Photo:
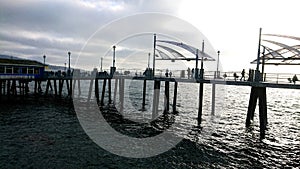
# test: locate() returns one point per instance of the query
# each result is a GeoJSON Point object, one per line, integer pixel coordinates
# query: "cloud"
{"type": "Point", "coordinates": [32, 28]}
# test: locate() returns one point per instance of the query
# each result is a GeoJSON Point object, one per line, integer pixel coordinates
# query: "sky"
{"type": "Point", "coordinates": [89, 29]}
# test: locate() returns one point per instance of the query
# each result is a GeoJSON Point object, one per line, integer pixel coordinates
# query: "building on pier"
{"type": "Point", "coordinates": [21, 68]}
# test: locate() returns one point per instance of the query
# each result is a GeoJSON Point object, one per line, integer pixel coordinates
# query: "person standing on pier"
{"type": "Point", "coordinates": [193, 70]}
{"type": "Point", "coordinates": [167, 73]}
{"type": "Point", "coordinates": [295, 78]}
{"type": "Point", "coordinates": [243, 75]}
{"type": "Point", "coordinates": [235, 76]}
{"type": "Point", "coordinates": [189, 73]}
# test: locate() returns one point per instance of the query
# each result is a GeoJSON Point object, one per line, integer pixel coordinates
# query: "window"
{"type": "Point", "coordinates": [36, 71]}
{"type": "Point", "coordinates": [2, 68]}
{"type": "Point", "coordinates": [9, 70]}
{"type": "Point", "coordinates": [24, 70]}
{"type": "Point", "coordinates": [16, 70]}
{"type": "Point", "coordinates": [30, 70]}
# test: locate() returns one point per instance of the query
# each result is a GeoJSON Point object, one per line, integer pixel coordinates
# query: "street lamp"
{"type": "Point", "coordinates": [101, 64]}
{"type": "Point", "coordinates": [69, 71]}
{"type": "Point", "coordinates": [44, 59]}
{"type": "Point", "coordinates": [218, 75]}
{"type": "Point", "coordinates": [114, 55]}
{"type": "Point", "coordinates": [149, 60]}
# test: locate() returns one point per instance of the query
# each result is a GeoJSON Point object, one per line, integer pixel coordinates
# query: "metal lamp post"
{"type": "Point", "coordinates": [218, 74]}
{"type": "Point", "coordinates": [149, 59]}
{"type": "Point", "coordinates": [69, 70]}
{"type": "Point", "coordinates": [44, 60]}
{"type": "Point", "coordinates": [114, 55]}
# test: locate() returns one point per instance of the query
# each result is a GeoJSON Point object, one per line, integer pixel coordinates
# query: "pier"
{"type": "Point", "coordinates": [11, 87]}
{"type": "Point", "coordinates": [258, 81]}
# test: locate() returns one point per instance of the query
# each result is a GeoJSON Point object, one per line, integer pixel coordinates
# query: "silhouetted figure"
{"type": "Point", "coordinates": [189, 73]}
{"type": "Point", "coordinates": [167, 73]}
{"type": "Point", "coordinates": [235, 76]}
{"type": "Point", "coordinates": [193, 71]}
{"type": "Point", "coordinates": [251, 73]}
{"type": "Point", "coordinates": [225, 75]}
{"type": "Point", "coordinates": [170, 74]}
{"type": "Point", "coordinates": [295, 78]}
{"type": "Point", "coordinates": [243, 75]}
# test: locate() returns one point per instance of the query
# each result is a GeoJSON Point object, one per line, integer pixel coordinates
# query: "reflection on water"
{"type": "Point", "coordinates": [45, 133]}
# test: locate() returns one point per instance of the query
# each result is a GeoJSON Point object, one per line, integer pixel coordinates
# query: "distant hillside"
{"type": "Point", "coordinates": [9, 57]}
{"type": "Point", "coordinates": [49, 67]}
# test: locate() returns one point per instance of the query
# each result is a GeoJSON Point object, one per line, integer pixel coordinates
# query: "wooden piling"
{"type": "Point", "coordinates": [97, 89]}
{"type": "Point", "coordinates": [39, 86]}
{"type": "Point", "coordinates": [47, 86]}
{"type": "Point", "coordinates": [90, 90]}
{"type": "Point", "coordinates": [155, 99]}
{"type": "Point", "coordinates": [144, 94]}
{"type": "Point", "coordinates": [8, 88]}
{"type": "Point", "coordinates": [14, 87]}
{"type": "Point", "coordinates": [55, 87]}
{"type": "Point", "coordinates": [260, 94]}
{"type": "Point", "coordinates": [103, 92]}
{"type": "Point", "coordinates": [213, 98]}
{"type": "Point", "coordinates": [167, 97]}
{"type": "Point", "coordinates": [60, 87]}
{"type": "Point", "coordinates": [20, 88]}
{"type": "Point", "coordinates": [121, 95]}
{"type": "Point", "coordinates": [71, 88]}
{"type": "Point", "coordinates": [68, 87]}
{"type": "Point", "coordinates": [79, 89]}
{"type": "Point", "coordinates": [4, 86]}
{"type": "Point", "coordinates": [23, 88]}
{"type": "Point", "coordinates": [200, 103]}
{"type": "Point", "coordinates": [109, 91]}
{"type": "Point", "coordinates": [1, 87]}
{"type": "Point", "coordinates": [115, 90]}
{"type": "Point", "coordinates": [35, 86]}
{"type": "Point", "coordinates": [26, 88]}
{"type": "Point", "coordinates": [175, 97]}
{"type": "Point", "coordinates": [251, 106]}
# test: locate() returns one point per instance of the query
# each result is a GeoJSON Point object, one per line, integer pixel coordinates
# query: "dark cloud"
{"type": "Point", "coordinates": [31, 28]}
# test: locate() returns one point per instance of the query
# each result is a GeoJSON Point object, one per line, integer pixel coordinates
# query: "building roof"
{"type": "Point", "coordinates": [20, 62]}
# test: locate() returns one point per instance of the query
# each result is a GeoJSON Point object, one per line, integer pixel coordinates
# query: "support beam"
{"type": "Point", "coordinates": [35, 86]}
{"type": "Point", "coordinates": [97, 89]}
{"type": "Point", "coordinates": [175, 98]}
{"type": "Point", "coordinates": [167, 97]}
{"type": "Point", "coordinates": [200, 104]}
{"type": "Point", "coordinates": [90, 89]}
{"type": "Point", "coordinates": [8, 88]}
{"type": "Point", "coordinates": [109, 91]}
{"type": "Point", "coordinates": [155, 99]}
{"type": "Point", "coordinates": [55, 88]}
{"type": "Point", "coordinates": [103, 92]}
{"type": "Point", "coordinates": [68, 87]}
{"type": "Point", "coordinates": [79, 89]}
{"type": "Point", "coordinates": [260, 94]}
{"type": "Point", "coordinates": [71, 88]}
{"type": "Point", "coordinates": [47, 87]}
{"type": "Point", "coordinates": [121, 95]}
{"type": "Point", "coordinates": [213, 98]}
{"type": "Point", "coordinates": [1, 82]}
{"type": "Point", "coordinates": [115, 90]}
{"type": "Point", "coordinates": [26, 88]}
{"type": "Point", "coordinates": [144, 95]}
{"type": "Point", "coordinates": [61, 84]}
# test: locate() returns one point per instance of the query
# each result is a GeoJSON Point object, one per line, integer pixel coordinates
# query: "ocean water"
{"type": "Point", "coordinates": [44, 132]}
